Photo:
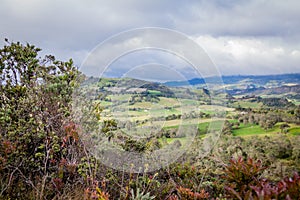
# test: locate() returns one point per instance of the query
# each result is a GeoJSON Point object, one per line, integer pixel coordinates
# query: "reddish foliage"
{"type": "Point", "coordinates": [71, 130]}
{"type": "Point", "coordinates": [287, 188]}
{"type": "Point", "coordinates": [243, 182]}
{"type": "Point", "coordinates": [240, 174]}
{"type": "Point", "coordinates": [188, 194]}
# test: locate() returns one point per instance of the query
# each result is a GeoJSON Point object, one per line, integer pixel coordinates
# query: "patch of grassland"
{"type": "Point", "coordinates": [295, 101]}
{"type": "Point", "coordinates": [119, 97]}
{"type": "Point", "coordinates": [169, 101]}
{"type": "Point", "coordinates": [166, 141]}
{"type": "Point", "coordinates": [205, 108]}
{"type": "Point", "coordinates": [106, 103]}
{"type": "Point", "coordinates": [189, 102]}
{"type": "Point", "coordinates": [247, 104]}
{"type": "Point", "coordinates": [154, 92]}
{"type": "Point", "coordinates": [294, 130]}
{"type": "Point", "coordinates": [250, 129]}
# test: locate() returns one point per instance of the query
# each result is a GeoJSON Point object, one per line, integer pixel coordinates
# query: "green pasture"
{"type": "Point", "coordinates": [154, 92]}
{"type": "Point", "coordinates": [250, 129]}
{"type": "Point", "coordinates": [247, 104]}
{"type": "Point", "coordinates": [184, 141]}
{"type": "Point", "coordinates": [294, 130]}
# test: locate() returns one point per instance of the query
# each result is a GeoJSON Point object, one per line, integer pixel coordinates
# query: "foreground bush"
{"type": "Point", "coordinates": [244, 181]}
{"type": "Point", "coordinates": [40, 147]}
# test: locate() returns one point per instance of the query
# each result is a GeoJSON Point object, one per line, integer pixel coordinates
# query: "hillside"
{"type": "Point", "coordinates": [280, 79]}
{"type": "Point", "coordinates": [265, 91]}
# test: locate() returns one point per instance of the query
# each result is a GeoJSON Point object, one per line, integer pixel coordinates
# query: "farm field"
{"type": "Point", "coordinates": [166, 112]}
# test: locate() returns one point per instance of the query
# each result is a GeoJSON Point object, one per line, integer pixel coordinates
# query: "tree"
{"type": "Point", "coordinates": [236, 125]}
{"type": "Point", "coordinates": [227, 128]}
{"type": "Point", "coordinates": [35, 96]}
{"type": "Point", "coordinates": [283, 127]}
{"type": "Point", "coordinates": [109, 125]}
{"type": "Point", "coordinates": [268, 121]}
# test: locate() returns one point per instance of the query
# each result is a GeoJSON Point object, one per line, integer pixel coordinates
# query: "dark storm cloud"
{"type": "Point", "coordinates": [255, 36]}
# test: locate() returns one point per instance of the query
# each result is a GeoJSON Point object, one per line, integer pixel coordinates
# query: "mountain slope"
{"type": "Point", "coordinates": [251, 79]}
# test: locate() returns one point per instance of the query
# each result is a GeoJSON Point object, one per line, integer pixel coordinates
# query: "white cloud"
{"type": "Point", "coordinates": [251, 55]}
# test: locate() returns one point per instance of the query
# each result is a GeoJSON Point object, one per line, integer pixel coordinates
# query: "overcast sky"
{"type": "Point", "coordinates": [240, 37]}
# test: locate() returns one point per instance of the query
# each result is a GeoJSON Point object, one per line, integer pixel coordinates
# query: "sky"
{"type": "Point", "coordinates": [238, 36]}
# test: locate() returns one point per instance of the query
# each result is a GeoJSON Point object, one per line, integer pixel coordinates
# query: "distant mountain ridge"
{"type": "Point", "coordinates": [266, 91]}
{"type": "Point", "coordinates": [258, 79]}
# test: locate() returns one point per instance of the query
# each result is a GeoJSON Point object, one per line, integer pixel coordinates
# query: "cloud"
{"type": "Point", "coordinates": [252, 30]}
{"type": "Point", "coordinates": [251, 55]}
{"type": "Point", "coordinates": [241, 18]}
{"type": "Point", "coordinates": [139, 47]}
